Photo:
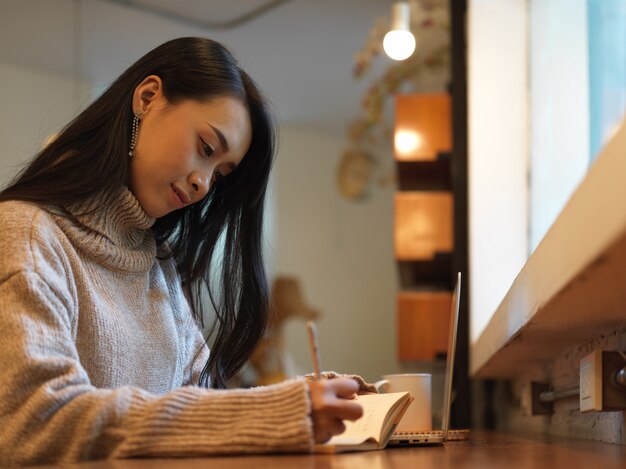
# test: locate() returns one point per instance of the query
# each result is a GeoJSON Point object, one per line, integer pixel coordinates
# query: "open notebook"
{"type": "Point", "coordinates": [381, 414]}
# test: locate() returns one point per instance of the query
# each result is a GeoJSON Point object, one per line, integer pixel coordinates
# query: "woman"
{"type": "Point", "coordinates": [107, 234]}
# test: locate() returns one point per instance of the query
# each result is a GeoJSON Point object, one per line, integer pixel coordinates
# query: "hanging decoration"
{"type": "Point", "coordinates": [366, 162]}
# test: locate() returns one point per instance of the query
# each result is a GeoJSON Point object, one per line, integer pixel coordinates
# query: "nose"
{"type": "Point", "coordinates": [200, 183]}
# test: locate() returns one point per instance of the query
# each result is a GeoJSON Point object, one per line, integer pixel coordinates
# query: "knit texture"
{"type": "Point", "coordinates": [99, 350]}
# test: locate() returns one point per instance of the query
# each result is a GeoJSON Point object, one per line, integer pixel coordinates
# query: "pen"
{"type": "Point", "coordinates": [315, 353]}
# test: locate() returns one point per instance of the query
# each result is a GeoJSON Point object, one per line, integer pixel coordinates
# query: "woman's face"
{"type": "Point", "coordinates": [182, 149]}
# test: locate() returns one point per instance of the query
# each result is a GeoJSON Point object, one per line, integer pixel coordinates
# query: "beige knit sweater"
{"type": "Point", "coordinates": [98, 349]}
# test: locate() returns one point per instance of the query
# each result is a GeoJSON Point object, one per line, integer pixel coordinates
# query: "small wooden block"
{"type": "Point", "coordinates": [423, 126]}
{"type": "Point", "coordinates": [424, 225]}
{"type": "Point", "coordinates": [423, 323]}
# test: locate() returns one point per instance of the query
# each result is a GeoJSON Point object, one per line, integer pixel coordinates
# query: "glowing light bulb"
{"type": "Point", "coordinates": [399, 42]}
{"type": "Point", "coordinates": [399, 45]}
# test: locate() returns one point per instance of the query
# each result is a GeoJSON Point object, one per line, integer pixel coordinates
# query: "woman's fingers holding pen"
{"type": "Point", "coordinates": [330, 405]}
{"type": "Point", "coordinates": [333, 396]}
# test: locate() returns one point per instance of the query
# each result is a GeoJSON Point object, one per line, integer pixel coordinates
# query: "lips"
{"type": "Point", "coordinates": [181, 196]}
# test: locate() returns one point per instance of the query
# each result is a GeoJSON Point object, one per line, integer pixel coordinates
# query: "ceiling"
{"type": "Point", "coordinates": [300, 51]}
{"type": "Point", "coordinates": [220, 14]}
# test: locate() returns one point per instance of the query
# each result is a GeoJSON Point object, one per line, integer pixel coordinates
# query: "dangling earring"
{"type": "Point", "coordinates": [133, 135]}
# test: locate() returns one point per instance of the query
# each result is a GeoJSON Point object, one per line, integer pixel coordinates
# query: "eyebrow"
{"type": "Point", "coordinates": [222, 139]}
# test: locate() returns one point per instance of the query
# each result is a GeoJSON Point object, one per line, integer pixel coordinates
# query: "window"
{"type": "Point", "coordinates": [577, 70]}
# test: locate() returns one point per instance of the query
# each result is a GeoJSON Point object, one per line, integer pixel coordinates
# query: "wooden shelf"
{"type": "Point", "coordinates": [571, 289]}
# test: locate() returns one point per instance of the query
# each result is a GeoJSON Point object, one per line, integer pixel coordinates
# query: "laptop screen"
{"type": "Point", "coordinates": [454, 322]}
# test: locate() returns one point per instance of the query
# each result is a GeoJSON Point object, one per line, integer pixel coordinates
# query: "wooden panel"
{"type": "Point", "coordinates": [422, 127]}
{"type": "Point", "coordinates": [423, 323]}
{"type": "Point", "coordinates": [423, 224]}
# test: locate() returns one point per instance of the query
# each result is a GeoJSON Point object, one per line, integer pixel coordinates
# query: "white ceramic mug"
{"type": "Point", "coordinates": [419, 416]}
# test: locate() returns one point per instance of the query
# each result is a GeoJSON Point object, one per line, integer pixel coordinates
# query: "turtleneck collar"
{"type": "Point", "coordinates": [114, 231]}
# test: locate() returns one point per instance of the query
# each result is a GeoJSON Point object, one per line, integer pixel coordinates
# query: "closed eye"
{"type": "Point", "coordinates": [207, 149]}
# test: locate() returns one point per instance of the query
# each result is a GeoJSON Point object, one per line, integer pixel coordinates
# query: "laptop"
{"type": "Point", "coordinates": [434, 437]}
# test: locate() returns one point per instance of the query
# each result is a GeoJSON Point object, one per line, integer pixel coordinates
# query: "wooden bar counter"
{"type": "Point", "coordinates": [483, 451]}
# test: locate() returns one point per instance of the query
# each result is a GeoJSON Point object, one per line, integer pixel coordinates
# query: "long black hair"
{"type": "Point", "coordinates": [90, 157]}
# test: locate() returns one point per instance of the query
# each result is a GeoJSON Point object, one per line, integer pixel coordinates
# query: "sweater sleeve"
{"type": "Point", "coordinates": [50, 412]}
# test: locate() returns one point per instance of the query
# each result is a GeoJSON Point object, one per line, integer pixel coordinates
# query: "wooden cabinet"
{"type": "Point", "coordinates": [424, 224]}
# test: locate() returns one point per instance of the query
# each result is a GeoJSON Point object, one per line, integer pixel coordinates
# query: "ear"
{"type": "Point", "coordinates": [147, 93]}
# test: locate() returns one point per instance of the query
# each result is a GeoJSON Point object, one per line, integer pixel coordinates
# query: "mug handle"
{"type": "Point", "coordinates": [382, 386]}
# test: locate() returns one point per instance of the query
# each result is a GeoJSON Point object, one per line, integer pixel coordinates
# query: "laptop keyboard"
{"type": "Point", "coordinates": [453, 435]}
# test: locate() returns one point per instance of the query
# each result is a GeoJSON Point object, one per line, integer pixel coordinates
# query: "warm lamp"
{"type": "Point", "coordinates": [399, 42]}
{"type": "Point", "coordinates": [407, 142]}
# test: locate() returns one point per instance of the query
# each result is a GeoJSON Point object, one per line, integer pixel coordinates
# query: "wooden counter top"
{"type": "Point", "coordinates": [483, 451]}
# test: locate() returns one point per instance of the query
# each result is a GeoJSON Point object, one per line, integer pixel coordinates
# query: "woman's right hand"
{"type": "Point", "coordinates": [331, 404]}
